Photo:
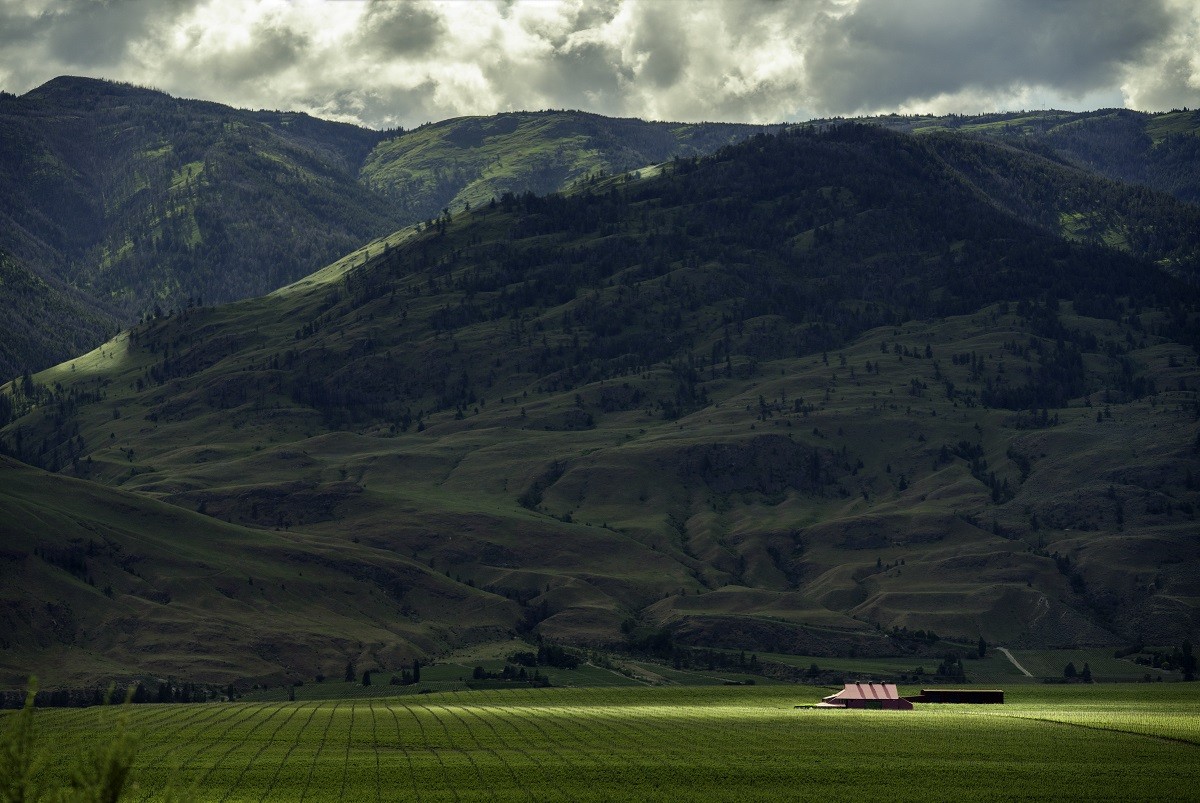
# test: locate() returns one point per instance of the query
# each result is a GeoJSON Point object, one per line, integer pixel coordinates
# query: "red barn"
{"type": "Point", "coordinates": [868, 695]}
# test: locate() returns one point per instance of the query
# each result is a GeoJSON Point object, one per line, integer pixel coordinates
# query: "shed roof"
{"type": "Point", "coordinates": [867, 691]}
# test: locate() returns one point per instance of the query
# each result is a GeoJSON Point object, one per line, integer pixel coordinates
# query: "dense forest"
{"type": "Point", "coordinates": [45, 320]}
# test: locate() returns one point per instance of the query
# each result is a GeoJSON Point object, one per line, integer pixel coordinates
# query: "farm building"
{"type": "Point", "coordinates": [976, 696]}
{"type": "Point", "coordinates": [867, 695]}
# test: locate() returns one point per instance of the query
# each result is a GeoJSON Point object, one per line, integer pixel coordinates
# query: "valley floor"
{"type": "Point", "coordinates": [1114, 741]}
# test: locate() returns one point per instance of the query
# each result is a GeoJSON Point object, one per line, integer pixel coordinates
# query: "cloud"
{"type": "Point", "coordinates": [660, 47]}
{"type": "Point", "coordinates": [885, 55]}
{"type": "Point", "coordinates": [386, 63]}
{"type": "Point", "coordinates": [269, 50]}
{"type": "Point", "coordinates": [402, 29]}
{"type": "Point", "coordinates": [1170, 78]}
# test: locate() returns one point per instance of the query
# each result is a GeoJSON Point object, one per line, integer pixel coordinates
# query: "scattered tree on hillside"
{"type": "Point", "coordinates": [951, 668]}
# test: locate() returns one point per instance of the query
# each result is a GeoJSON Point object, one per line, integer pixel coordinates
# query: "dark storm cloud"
{"type": "Point", "coordinates": [577, 67]}
{"type": "Point", "coordinates": [381, 104]}
{"type": "Point", "coordinates": [884, 53]}
{"type": "Point", "coordinates": [88, 33]}
{"type": "Point", "coordinates": [1172, 89]}
{"type": "Point", "coordinates": [18, 28]}
{"type": "Point", "coordinates": [402, 29]}
{"type": "Point", "coordinates": [661, 42]}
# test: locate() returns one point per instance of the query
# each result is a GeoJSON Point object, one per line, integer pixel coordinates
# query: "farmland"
{"type": "Point", "coordinates": [1105, 741]}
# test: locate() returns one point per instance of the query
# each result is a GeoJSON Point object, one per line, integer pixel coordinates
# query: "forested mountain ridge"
{"type": "Point", "coordinates": [814, 392]}
{"type": "Point", "coordinates": [141, 200]}
{"type": "Point", "coordinates": [138, 199]}
{"type": "Point", "coordinates": [45, 319]}
{"type": "Point", "coordinates": [1158, 150]}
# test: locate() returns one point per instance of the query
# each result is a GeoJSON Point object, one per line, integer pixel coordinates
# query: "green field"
{"type": "Point", "coordinates": [994, 669]}
{"type": "Point", "coordinates": [1105, 668]}
{"type": "Point", "coordinates": [722, 743]}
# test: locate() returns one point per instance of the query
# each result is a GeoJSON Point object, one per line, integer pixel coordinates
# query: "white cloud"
{"type": "Point", "coordinates": [386, 63]}
{"type": "Point", "coordinates": [1170, 76]}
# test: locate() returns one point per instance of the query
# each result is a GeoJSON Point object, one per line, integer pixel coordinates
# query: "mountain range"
{"type": "Point", "coordinates": [134, 200]}
{"type": "Point", "coordinates": [819, 391]}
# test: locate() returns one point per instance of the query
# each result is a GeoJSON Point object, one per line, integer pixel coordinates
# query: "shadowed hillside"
{"type": "Point", "coordinates": [44, 320]}
{"type": "Point", "coordinates": [140, 198]}
{"type": "Point", "coordinates": [1160, 151]}
{"type": "Point", "coordinates": [99, 582]}
{"type": "Point", "coordinates": [814, 393]}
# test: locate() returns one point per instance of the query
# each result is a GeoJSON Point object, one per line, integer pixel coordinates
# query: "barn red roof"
{"type": "Point", "coordinates": [867, 695]}
{"type": "Point", "coordinates": [866, 691]}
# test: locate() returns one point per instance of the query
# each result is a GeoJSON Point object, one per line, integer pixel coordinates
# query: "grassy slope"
{"type": "Point", "coordinates": [718, 557]}
{"type": "Point", "coordinates": [453, 480]}
{"type": "Point", "coordinates": [470, 160]}
{"type": "Point", "coordinates": [100, 582]}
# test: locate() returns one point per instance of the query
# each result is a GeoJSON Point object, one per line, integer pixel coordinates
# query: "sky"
{"type": "Point", "coordinates": [395, 63]}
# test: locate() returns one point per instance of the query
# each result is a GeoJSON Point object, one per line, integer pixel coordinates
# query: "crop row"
{"type": "Point", "coordinates": [588, 744]}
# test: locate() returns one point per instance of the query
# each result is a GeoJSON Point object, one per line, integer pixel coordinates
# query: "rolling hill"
{"type": "Point", "coordinates": [98, 582]}
{"type": "Point", "coordinates": [820, 393]}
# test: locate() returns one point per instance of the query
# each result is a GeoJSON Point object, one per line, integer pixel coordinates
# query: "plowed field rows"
{"type": "Point", "coordinates": [725, 743]}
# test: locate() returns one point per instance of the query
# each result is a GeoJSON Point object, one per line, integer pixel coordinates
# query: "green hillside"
{"type": "Point", "coordinates": [812, 394]}
{"type": "Point", "coordinates": [126, 200]}
{"type": "Point", "coordinates": [468, 161]}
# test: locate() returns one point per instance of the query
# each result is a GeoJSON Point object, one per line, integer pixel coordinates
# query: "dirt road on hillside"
{"type": "Point", "coordinates": [1014, 661]}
